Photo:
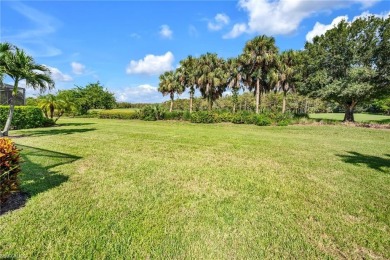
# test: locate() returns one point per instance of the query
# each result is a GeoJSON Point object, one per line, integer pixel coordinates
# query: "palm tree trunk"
{"type": "Point", "coordinates": [11, 110]}
{"type": "Point", "coordinates": [172, 97]}
{"type": "Point", "coordinates": [210, 101]}
{"type": "Point", "coordinates": [257, 95]}
{"type": "Point", "coordinates": [191, 98]}
{"type": "Point", "coordinates": [284, 102]}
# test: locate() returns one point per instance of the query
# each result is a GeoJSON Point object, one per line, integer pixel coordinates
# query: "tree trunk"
{"type": "Point", "coordinates": [171, 107]}
{"type": "Point", "coordinates": [349, 109]}
{"type": "Point", "coordinates": [10, 116]}
{"type": "Point", "coordinates": [257, 95]}
{"type": "Point", "coordinates": [51, 111]}
{"type": "Point", "coordinates": [284, 102]}
{"type": "Point", "coordinates": [210, 101]}
{"type": "Point", "coordinates": [191, 98]}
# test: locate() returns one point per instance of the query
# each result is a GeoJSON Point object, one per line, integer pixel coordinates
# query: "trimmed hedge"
{"type": "Point", "coordinates": [24, 117]}
{"type": "Point", "coordinates": [125, 114]}
{"type": "Point", "coordinates": [9, 168]}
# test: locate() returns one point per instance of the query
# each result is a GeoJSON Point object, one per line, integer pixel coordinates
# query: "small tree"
{"type": "Point", "coordinates": [170, 85]}
{"type": "Point", "coordinates": [19, 66]}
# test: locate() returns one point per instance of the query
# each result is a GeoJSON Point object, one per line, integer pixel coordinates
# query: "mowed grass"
{"type": "Point", "coordinates": [358, 117]}
{"type": "Point", "coordinates": [132, 189]}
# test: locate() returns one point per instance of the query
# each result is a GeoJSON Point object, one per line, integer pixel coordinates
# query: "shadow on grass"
{"type": "Point", "coordinates": [58, 132]}
{"type": "Point", "coordinates": [374, 162]}
{"type": "Point", "coordinates": [74, 124]}
{"type": "Point", "coordinates": [37, 174]}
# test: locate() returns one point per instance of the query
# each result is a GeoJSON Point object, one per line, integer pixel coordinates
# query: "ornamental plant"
{"type": "Point", "coordinates": [9, 168]}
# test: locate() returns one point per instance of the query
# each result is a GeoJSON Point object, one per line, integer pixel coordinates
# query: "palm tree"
{"type": "Point", "coordinates": [259, 56]}
{"type": "Point", "coordinates": [188, 76]}
{"type": "Point", "coordinates": [170, 84]}
{"type": "Point", "coordinates": [51, 105]}
{"type": "Point", "coordinates": [235, 79]}
{"type": "Point", "coordinates": [4, 49]}
{"type": "Point", "coordinates": [19, 66]}
{"type": "Point", "coordinates": [286, 73]}
{"type": "Point", "coordinates": [211, 77]}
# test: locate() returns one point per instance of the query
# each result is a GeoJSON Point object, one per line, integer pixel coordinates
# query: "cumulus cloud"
{"type": "Point", "coordinates": [140, 94]}
{"type": "Point", "coordinates": [77, 68]}
{"type": "Point", "coordinates": [282, 17]}
{"type": "Point", "coordinates": [165, 32]}
{"type": "Point", "coordinates": [151, 64]}
{"type": "Point", "coordinates": [220, 20]}
{"type": "Point", "coordinates": [320, 29]}
{"type": "Point", "coordinates": [57, 75]}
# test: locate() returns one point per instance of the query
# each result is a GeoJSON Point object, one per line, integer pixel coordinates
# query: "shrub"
{"type": "Point", "coordinates": [204, 117]}
{"type": "Point", "coordinates": [151, 113]}
{"type": "Point", "coordinates": [244, 117]}
{"type": "Point", "coordinates": [262, 120]}
{"type": "Point", "coordinates": [24, 117]}
{"type": "Point", "coordinates": [125, 114]}
{"type": "Point", "coordinates": [174, 115]}
{"type": "Point", "coordinates": [9, 168]}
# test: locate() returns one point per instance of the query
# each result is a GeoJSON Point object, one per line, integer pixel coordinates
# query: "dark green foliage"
{"type": "Point", "coordinates": [125, 114]}
{"type": "Point", "coordinates": [9, 168]}
{"type": "Point", "coordinates": [204, 117]}
{"type": "Point", "coordinates": [25, 117]}
{"type": "Point", "coordinates": [243, 117]}
{"type": "Point", "coordinates": [151, 113]}
{"type": "Point", "coordinates": [262, 120]}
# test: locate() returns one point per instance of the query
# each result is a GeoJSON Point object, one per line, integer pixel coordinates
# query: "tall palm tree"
{"type": "Point", "coordinates": [286, 73]}
{"type": "Point", "coordinates": [170, 84]}
{"type": "Point", "coordinates": [211, 77]}
{"type": "Point", "coordinates": [258, 58]}
{"type": "Point", "coordinates": [235, 79]}
{"type": "Point", "coordinates": [188, 76]}
{"type": "Point", "coordinates": [19, 66]}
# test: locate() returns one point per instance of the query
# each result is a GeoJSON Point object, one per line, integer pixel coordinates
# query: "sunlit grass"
{"type": "Point", "coordinates": [358, 117]}
{"type": "Point", "coordinates": [133, 189]}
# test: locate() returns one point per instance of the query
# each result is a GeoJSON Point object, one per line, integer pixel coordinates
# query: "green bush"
{"type": "Point", "coordinates": [204, 117]}
{"type": "Point", "coordinates": [152, 113]}
{"type": "Point", "coordinates": [174, 115]}
{"type": "Point", "coordinates": [262, 120]}
{"type": "Point", "coordinates": [9, 168]}
{"type": "Point", "coordinates": [24, 117]}
{"type": "Point", "coordinates": [125, 114]}
{"type": "Point", "coordinates": [244, 117]}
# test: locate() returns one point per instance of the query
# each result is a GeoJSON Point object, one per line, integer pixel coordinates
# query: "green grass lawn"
{"type": "Point", "coordinates": [358, 117]}
{"type": "Point", "coordinates": [132, 189]}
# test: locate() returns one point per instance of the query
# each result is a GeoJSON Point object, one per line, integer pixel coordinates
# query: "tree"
{"type": "Point", "coordinates": [258, 58]}
{"type": "Point", "coordinates": [5, 48]}
{"type": "Point", "coordinates": [235, 77]}
{"type": "Point", "coordinates": [170, 84]}
{"type": "Point", "coordinates": [54, 105]}
{"type": "Point", "coordinates": [211, 77]}
{"type": "Point", "coordinates": [19, 66]}
{"type": "Point", "coordinates": [346, 65]}
{"type": "Point", "coordinates": [188, 76]}
{"type": "Point", "coordinates": [287, 73]}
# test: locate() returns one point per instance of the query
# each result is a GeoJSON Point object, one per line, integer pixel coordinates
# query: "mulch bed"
{"type": "Point", "coordinates": [15, 201]}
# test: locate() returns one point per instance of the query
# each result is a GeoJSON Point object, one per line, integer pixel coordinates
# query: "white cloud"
{"type": "Point", "coordinates": [140, 94]}
{"type": "Point", "coordinates": [57, 75]}
{"type": "Point", "coordinates": [77, 68]}
{"type": "Point", "coordinates": [151, 64]}
{"type": "Point", "coordinates": [220, 20]}
{"type": "Point", "coordinates": [165, 32]}
{"type": "Point", "coordinates": [282, 17]}
{"type": "Point", "coordinates": [320, 29]}
{"type": "Point", "coordinates": [237, 30]}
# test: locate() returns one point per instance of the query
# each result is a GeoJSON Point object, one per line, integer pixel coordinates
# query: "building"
{"type": "Point", "coordinates": [6, 94]}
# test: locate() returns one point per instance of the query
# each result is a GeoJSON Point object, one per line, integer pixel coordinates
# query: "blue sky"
{"type": "Point", "coordinates": [126, 44]}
